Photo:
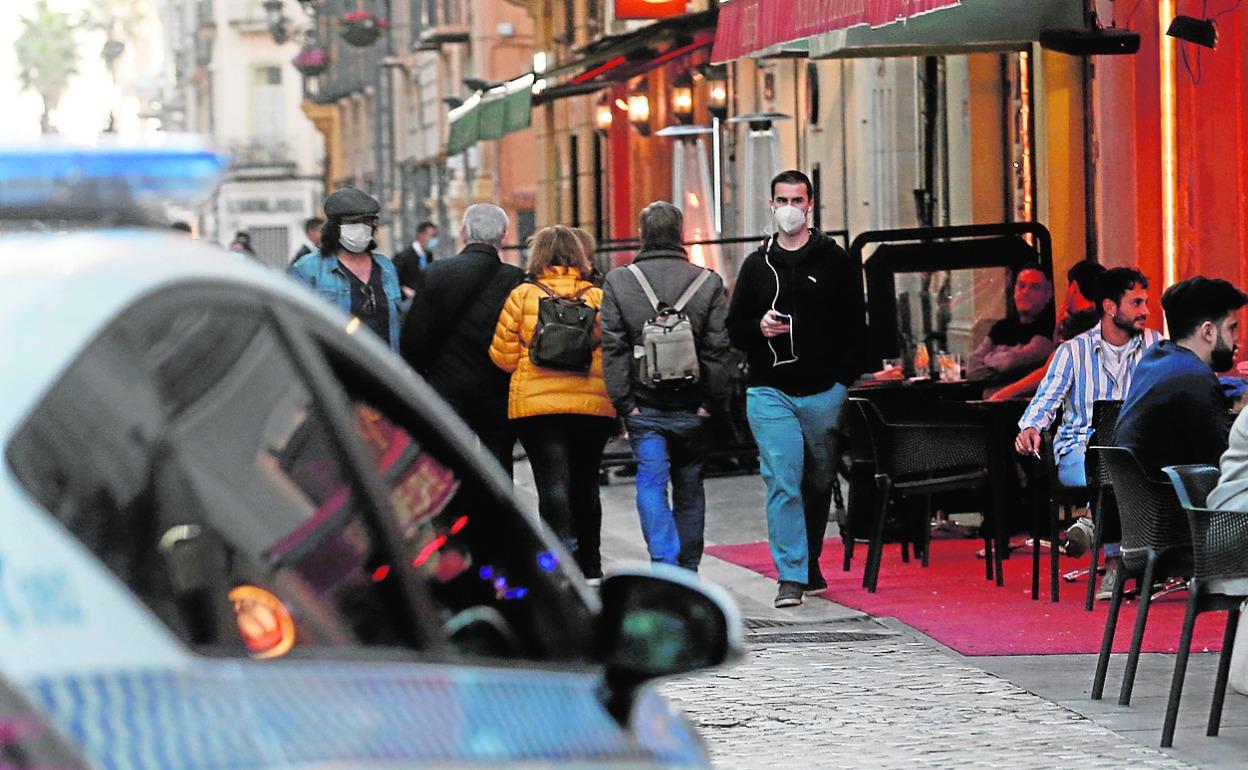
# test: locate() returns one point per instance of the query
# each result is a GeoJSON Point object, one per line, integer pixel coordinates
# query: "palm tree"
{"type": "Point", "coordinates": [47, 57]}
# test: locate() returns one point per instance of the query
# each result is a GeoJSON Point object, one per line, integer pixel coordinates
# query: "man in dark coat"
{"type": "Point", "coordinates": [448, 330]}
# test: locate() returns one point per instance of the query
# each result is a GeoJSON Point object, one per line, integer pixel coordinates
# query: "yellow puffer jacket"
{"type": "Point", "coordinates": [534, 389]}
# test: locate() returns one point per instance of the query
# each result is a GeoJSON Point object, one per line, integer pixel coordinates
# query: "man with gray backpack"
{"type": "Point", "coordinates": [665, 357]}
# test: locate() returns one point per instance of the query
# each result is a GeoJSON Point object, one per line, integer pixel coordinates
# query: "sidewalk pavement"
{"type": "Point", "coordinates": [826, 686]}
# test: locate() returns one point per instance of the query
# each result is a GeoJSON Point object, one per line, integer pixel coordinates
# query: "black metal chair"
{"type": "Point", "coordinates": [920, 459]}
{"type": "Point", "coordinates": [1104, 504]}
{"type": "Point", "coordinates": [1061, 499]}
{"type": "Point", "coordinates": [1156, 543]}
{"type": "Point", "coordinates": [1220, 582]}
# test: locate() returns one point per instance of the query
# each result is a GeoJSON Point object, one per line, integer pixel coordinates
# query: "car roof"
{"type": "Point", "coordinates": [59, 290]}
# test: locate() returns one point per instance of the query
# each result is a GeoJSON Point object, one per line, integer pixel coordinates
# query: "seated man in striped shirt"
{"type": "Point", "coordinates": [1097, 364]}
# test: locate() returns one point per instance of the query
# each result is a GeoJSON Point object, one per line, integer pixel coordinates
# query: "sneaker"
{"type": "Point", "coordinates": [1106, 589]}
{"type": "Point", "coordinates": [816, 585]}
{"type": "Point", "coordinates": [790, 594]}
{"type": "Point", "coordinates": [1079, 539]}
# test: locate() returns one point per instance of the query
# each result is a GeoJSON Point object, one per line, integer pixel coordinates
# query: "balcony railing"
{"type": "Point", "coordinates": [442, 21]}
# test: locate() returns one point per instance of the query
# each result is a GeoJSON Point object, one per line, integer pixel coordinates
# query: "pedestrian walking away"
{"type": "Point", "coordinates": [347, 271]}
{"type": "Point", "coordinates": [797, 312]}
{"type": "Point", "coordinates": [557, 399]}
{"type": "Point", "coordinates": [667, 421]}
{"type": "Point", "coordinates": [448, 330]}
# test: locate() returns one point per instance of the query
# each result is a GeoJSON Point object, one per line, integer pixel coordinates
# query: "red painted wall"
{"type": "Point", "coordinates": [1212, 152]}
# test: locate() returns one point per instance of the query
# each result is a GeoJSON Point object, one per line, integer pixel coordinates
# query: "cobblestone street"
{"type": "Point", "coordinates": [825, 686]}
{"type": "Point", "coordinates": [888, 702]}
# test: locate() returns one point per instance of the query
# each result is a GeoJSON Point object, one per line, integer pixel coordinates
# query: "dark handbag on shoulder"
{"type": "Point", "coordinates": [564, 336]}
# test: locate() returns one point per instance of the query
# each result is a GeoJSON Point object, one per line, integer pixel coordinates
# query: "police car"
{"type": "Point", "coordinates": [239, 532]}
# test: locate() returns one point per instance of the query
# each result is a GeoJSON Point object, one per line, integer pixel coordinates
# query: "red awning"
{"type": "Point", "coordinates": [749, 26]}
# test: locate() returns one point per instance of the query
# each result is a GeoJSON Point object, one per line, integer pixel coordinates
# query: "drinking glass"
{"type": "Point", "coordinates": [950, 366]}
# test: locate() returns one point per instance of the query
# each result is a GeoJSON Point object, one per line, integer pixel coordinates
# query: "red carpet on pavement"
{"type": "Point", "coordinates": [953, 603]}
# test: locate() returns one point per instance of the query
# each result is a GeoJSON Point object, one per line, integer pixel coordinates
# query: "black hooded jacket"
{"type": "Point", "coordinates": [821, 289]}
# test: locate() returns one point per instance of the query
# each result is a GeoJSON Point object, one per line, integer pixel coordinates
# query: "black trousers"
{"type": "Point", "coordinates": [565, 452]}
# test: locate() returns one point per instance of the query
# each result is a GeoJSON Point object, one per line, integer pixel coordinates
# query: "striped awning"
{"type": "Point", "coordinates": [748, 27]}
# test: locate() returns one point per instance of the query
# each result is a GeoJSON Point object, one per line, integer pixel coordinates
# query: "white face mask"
{"type": "Point", "coordinates": [789, 218]}
{"type": "Point", "coordinates": [355, 238]}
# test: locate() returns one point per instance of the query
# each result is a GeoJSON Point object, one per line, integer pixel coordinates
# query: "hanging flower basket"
{"type": "Point", "coordinates": [311, 61]}
{"type": "Point", "coordinates": [361, 28]}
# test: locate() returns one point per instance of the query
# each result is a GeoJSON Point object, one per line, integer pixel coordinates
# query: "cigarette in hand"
{"type": "Point", "coordinates": [1035, 453]}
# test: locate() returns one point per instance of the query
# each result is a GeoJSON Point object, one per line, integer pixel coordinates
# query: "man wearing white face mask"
{"type": "Point", "coordinates": [797, 312]}
{"type": "Point", "coordinates": [347, 272]}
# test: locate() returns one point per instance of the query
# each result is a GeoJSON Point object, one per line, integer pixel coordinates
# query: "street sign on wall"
{"type": "Point", "coordinates": [749, 26]}
{"type": "Point", "coordinates": [649, 9]}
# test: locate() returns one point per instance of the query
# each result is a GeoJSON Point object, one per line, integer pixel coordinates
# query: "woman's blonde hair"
{"type": "Point", "coordinates": [558, 246]}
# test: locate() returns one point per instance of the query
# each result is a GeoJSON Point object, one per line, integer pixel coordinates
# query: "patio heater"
{"type": "Point", "coordinates": [762, 162]}
{"type": "Point", "coordinates": [691, 191]}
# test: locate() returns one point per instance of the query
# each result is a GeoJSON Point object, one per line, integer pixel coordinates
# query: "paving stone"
{"type": "Point", "coordinates": [888, 703]}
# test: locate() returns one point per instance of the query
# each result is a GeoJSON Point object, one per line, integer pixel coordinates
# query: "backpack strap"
{"type": "Point", "coordinates": [702, 278]}
{"type": "Point", "coordinates": [645, 286]}
{"type": "Point", "coordinates": [549, 291]}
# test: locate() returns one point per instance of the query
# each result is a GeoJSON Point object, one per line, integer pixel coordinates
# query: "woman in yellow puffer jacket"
{"type": "Point", "coordinates": [563, 419]}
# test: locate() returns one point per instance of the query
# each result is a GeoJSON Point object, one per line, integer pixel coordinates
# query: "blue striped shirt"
{"type": "Point", "coordinates": [1078, 376]}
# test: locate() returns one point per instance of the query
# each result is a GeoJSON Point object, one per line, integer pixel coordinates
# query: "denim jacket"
{"type": "Point", "coordinates": [327, 277]}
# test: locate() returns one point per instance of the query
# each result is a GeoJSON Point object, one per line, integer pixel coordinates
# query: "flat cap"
{"type": "Point", "coordinates": [351, 202]}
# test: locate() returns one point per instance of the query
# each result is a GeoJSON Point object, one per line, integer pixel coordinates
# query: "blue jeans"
{"type": "Point", "coordinates": [797, 439]}
{"type": "Point", "coordinates": [670, 447]}
{"type": "Point", "coordinates": [1071, 471]}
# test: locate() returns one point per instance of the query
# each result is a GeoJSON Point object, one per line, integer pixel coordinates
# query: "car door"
{"type": "Point", "coordinates": [269, 492]}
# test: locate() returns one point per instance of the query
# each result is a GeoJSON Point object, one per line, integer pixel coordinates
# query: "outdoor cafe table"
{"type": "Point", "coordinates": [961, 401]}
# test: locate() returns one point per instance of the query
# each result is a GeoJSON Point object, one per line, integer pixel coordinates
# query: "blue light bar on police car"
{"type": "Point", "coordinates": [60, 175]}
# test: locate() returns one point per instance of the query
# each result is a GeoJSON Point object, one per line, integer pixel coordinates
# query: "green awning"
{"type": "Point", "coordinates": [491, 114]}
{"type": "Point", "coordinates": [972, 25]}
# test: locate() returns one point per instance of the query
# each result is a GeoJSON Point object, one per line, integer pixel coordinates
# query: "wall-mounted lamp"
{"type": "Point", "coordinates": [276, 20]}
{"type": "Point", "coordinates": [682, 98]}
{"type": "Point", "coordinates": [602, 115]}
{"type": "Point", "coordinates": [639, 110]}
{"type": "Point", "coordinates": [717, 92]}
{"type": "Point", "coordinates": [1199, 31]}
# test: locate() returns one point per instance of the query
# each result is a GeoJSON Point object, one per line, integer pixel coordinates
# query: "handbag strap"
{"type": "Point", "coordinates": [477, 288]}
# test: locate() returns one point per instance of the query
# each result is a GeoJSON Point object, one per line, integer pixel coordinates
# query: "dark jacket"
{"type": "Point", "coordinates": [820, 288]}
{"type": "Point", "coordinates": [407, 261]}
{"type": "Point", "coordinates": [625, 310]}
{"type": "Point", "coordinates": [1175, 412]}
{"type": "Point", "coordinates": [447, 333]}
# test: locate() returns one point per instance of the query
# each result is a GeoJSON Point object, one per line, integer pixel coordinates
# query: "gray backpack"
{"type": "Point", "coordinates": [668, 354]}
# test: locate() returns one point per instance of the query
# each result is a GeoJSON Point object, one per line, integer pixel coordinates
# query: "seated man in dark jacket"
{"type": "Point", "coordinates": [667, 426]}
{"type": "Point", "coordinates": [797, 312]}
{"type": "Point", "coordinates": [1175, 412]}
{"type": "Point", "coordinates": [448, 330]}
{"type": "Point", "coordinates": [1020, 343]}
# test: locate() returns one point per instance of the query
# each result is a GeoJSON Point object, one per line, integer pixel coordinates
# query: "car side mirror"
{"type": "Point", "coordinates": [659, 621]}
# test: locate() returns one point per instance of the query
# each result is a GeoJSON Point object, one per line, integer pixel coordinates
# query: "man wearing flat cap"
{"type": "Point", "coordinates": [347, 271]}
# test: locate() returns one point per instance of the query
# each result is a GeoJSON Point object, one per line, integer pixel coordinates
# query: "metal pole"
{"type": "Point", "coordinates": [717, 171]}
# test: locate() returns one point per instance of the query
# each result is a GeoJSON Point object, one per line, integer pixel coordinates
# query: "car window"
{"type": "Point", "coordinates": [187, 451]}
{"type": "Point", "coordinates": [474, 549]}
{"type": "Point", "coordinates": [220, 499]}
